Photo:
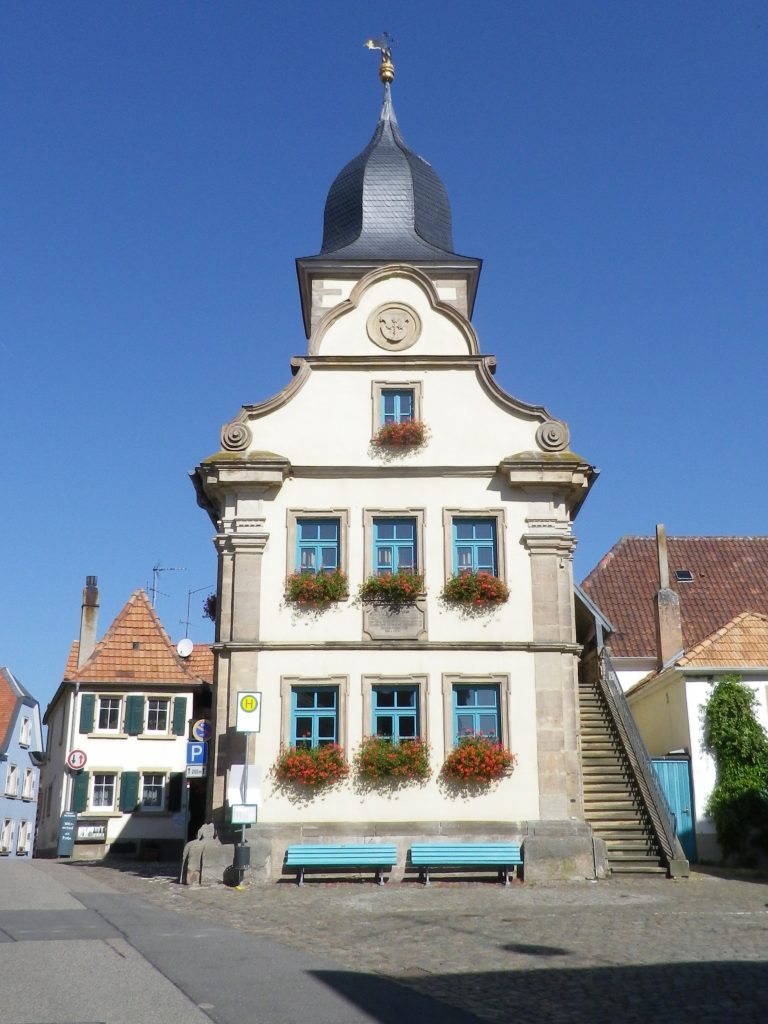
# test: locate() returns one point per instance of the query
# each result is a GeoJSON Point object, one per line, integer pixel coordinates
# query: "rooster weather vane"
{"type": "Point", "coordinates": [384, 44]}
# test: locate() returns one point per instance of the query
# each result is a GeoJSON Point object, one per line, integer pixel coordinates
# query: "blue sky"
{"type": "Point", "coordinates": [164, 163]}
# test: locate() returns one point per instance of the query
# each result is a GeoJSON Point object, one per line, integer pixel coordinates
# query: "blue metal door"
{"type": "Point", "coordinates": [675, 779]}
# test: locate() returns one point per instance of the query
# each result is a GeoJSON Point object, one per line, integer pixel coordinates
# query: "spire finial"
{"type": "Point", "coordinates": [385, 44]}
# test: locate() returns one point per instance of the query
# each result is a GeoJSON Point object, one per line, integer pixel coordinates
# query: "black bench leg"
{"type": "Point", "coordinates": [504, 876]}
{"type": "Point", "coordinates": [379, 876]}
{"type": "Point", "coordinates": [300, 876]}
{"type": "Point", "coordinates": [425, 876]}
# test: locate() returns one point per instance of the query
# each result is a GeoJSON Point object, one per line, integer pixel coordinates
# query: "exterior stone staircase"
{"type": "Point", "coordinates": [613, 804]}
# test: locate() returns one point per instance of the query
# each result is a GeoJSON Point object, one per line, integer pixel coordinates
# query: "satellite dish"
{"type": "Point", "coordinates": [184, 647]}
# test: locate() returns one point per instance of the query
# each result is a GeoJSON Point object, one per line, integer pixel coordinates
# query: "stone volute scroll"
{"type": "Point", "coordinates": [235, 436]}
{"type": "Point", "coordinates": [552, 436]}
{"type": "Point", "coordinates": [394, 327]}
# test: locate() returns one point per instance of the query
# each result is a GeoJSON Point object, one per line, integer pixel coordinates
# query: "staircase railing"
{"type": "Point", "coordinates": [655, 802]}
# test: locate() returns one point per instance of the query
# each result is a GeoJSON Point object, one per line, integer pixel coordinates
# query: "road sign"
{"type": "Point", "coordinates": [248, 711]}
{"type": "Point", "coordinates": [244, 787]}
{"type": "Point", "coordinates": [76, 760]}
{"type": "Point", "coordinates": [202, 730]}
{"type": "Point", "coordinates": [197, 753]}
{"type": "Point", "coordinates": [67, 826]}
{"type": "Point", "coordinates": [196, 771]}
{"type": "Point", "coordinates": [243, 814]}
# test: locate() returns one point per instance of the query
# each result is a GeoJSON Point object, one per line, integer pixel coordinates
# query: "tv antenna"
{"type": "Point", "coordinates": [156, 570]}
{"type": "Point", "coordinates": [185, 622]}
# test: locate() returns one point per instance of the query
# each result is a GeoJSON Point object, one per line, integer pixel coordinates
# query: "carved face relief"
{"type": "Point", "coordinates": [394, 327]}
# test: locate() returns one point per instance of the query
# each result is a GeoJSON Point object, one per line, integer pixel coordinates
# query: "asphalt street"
{"type": "Point", "coordinates": [74, 951]}
{"type": "Point", "coordinates": [94, 944]}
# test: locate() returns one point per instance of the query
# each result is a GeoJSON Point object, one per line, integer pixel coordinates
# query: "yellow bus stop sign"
{"type": "Point", "coordinates": [248, 712]}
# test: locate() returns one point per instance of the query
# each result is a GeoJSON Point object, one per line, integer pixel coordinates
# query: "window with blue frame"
{"type": "Point", "coordinates": [474, 546]}
{"type": "Point", "coordinates": [394, 546]}
{"type": "Point", "coordinates": [317, 545]}
{"type": "Point", "coordinates": [475, 710]}
{"type": "Point", "coordinates": [397, 405]}
{"type": "Point", "coordinates": [314, 715]}
{"type": "Point", "coordinates": [395, 712]}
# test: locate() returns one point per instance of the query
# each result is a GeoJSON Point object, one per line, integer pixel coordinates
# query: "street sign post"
{"type": "Point", "coordinates": [244, 814]}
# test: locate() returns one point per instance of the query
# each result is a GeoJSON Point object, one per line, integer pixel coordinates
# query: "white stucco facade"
{"type": "Point", "coordinates": [307, 453]}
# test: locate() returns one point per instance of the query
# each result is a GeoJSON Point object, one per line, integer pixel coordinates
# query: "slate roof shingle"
{"type": "Point", "coordinates": [730, 576]}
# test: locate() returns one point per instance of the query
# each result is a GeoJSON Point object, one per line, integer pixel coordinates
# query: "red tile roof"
{"type": "Point", "coordinates": [136, 648]}
{"type": "Point", "coordinates": [730, 576]}
{"type": "Point", "coordinates": [741, 642]}
{"type": "Point", "coordinates": [9, 698]}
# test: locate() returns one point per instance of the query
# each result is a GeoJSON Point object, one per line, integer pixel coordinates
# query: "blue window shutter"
{"type": "Point", "coordinates": [175, 791]}
{"type": "Point", "coordinates": [80, 792]}
{"type": "Point", "coordinates": [129, 791]}
{"type": "Point", "coordinates": [179, 716]}
{"type": "Point", "coordinates": [87, 712]}
{"type": "Point", "coordinates": [134, 716]}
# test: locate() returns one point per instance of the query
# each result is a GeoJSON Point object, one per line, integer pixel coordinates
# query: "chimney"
{"type": "Point", "coordinates": [88, 619]}
{"type": "Point", "coordinates": [666, 606]}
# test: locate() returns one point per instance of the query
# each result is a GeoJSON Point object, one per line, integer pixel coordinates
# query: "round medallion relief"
{"type": "Point", "coordinates": [394, 327]}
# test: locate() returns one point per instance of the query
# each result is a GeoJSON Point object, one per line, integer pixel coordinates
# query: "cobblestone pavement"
{"type": "Point", "coordinates": [627, 949]}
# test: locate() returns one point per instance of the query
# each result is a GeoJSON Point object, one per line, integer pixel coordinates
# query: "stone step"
{"type": "Point", "coordinates": [637, 869]}
{"type": "Point", "coordinates": [632, 830]}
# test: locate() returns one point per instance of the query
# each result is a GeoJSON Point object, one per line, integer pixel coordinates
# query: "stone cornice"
{"type": "Point", "coordinates": [523, 646]}
{"type": "Point", "coordinates": [262, 473]}
{"type": "Point", "coordinates": [549, 543]}
{"type": "Point", "coordinates": [563, 473]}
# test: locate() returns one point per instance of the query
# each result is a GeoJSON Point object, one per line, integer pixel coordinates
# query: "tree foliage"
{"type": "Point", "coordinates": [739, 745]}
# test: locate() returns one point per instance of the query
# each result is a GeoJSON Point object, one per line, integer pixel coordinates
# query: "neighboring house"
{"type": "Point", "coordinates": [126, 703]}
{"type": "Point", "coordinates": [684, 611]}
{"type": "Point", "coordinates": [306, 483]}
{"type": "Point", "coordinates": [21, 741]}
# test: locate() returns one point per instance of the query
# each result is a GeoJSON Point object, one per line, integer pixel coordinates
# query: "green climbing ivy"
{"type": "Point", "coordinates": [739, 802]}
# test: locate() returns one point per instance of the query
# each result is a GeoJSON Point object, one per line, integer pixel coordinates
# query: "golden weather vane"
{"type": "Point", "coordinates": [385, 44]}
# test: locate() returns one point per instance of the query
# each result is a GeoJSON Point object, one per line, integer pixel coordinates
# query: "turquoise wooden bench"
{"type": "Point", "coordinates": [503, 857]}
{"type": "Point", "coordinates": [378, 856]}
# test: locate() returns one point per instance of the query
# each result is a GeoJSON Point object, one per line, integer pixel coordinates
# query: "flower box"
{"type": "Point", "coordinates": [476, 588]}
{"type": "Point", "coordinates": [316, 589]}
{"type": "Point", "coordinates": [379, 759]}
{"type": "Point", "coordinates": [401, 587]}
{"type": "Point", "coordinates": [408, 434]}
{"type": "Point", "coordinates": [478, 759]}
{"type": "Point", "coordinates": [312, 766]}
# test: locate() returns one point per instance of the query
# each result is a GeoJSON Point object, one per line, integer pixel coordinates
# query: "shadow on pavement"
{"type": "Point", "coordinates": [686, 993]}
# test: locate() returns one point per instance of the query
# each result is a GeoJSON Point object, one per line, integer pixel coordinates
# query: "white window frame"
{"type": "Point", "coordinates": [103, 808]}
{"type": "Point", "coordinates": [12, 780]}
{"type": "Point", "coordinates": [152, 809]}
{"type": "Point", "coordinates": [97, 726]}
{"type": "Point", "coordinates": [25, 732]}
{"type": "Point", "coordinates": [22, 838]}
{"type": "Point", "coordinates": [6, 836]}
{"type": "Point", "coordinates": [168, 715]}
{"type": "Point", "coordinates": [28, 791]}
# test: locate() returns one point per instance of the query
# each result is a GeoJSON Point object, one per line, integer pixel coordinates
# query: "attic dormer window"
{"type": "Point", "coordinates": [136, 645]}
{"type": "Point", "coordinates": [683, 575]}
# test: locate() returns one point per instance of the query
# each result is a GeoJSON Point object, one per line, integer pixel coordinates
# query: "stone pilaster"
{"type": "Point", "coordinates": [551, 546]}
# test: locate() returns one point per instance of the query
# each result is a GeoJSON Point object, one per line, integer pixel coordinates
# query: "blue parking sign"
{"type": "Point", "coordinates": [197, 753]}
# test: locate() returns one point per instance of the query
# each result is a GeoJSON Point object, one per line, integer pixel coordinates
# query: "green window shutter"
{"type": "Point", "coordinates": [134, 716]}
{"type": "Point", "coordinates": [80, 793]}
{"type": "Point", "coordinates": [87, 711]}
{"type": "Point", "coordinates": [175, 791]}
{"type": "Point", "coordinates": [129, 791]}
{"type": "Point", "coordinates": [179, 716]}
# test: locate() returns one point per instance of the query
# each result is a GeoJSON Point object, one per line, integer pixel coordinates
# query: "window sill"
{"type": "Point", "coordinates": [158, 736]}
{"type": "Point", "coordinates": [96, 814]}
{"type": "Point", "coordinates": [107, 734]}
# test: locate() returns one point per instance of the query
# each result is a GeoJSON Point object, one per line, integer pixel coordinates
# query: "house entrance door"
{"type": "Point", "coordinates": [674, 775]}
